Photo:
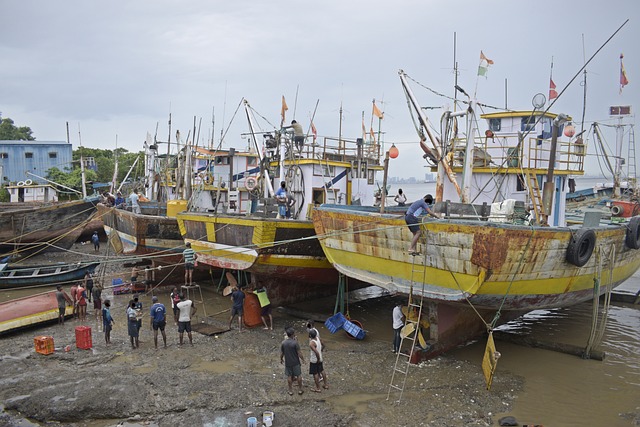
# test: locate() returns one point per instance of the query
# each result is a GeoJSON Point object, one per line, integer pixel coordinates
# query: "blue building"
{"type": "Point", "coordinates": [18, 157]}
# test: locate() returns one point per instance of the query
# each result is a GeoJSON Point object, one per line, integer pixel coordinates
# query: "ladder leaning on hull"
{"type": "Point", "coordinates": [411, 331]}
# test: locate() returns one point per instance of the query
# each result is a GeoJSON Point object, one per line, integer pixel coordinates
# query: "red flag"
{"type": "Point", "coordinates": [552, 90]}
{"type": "Point", "coordinates": [623, 75]}
{"type": "Point", "coordinates": [314, 132]}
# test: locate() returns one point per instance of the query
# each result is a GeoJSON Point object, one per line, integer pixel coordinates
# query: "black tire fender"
{"type": "Point", "coordinates": [581, 246]}
{"type": "Point", "coordinates": [632, 238]}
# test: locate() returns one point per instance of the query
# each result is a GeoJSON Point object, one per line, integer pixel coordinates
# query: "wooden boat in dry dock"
{"type": "Point", "coordinates": [486, 261]}
{"type": "Point", "coordinates": [16, 276]}
{"type": "Point", "coordinates": [48, 226]}
{"type": "Point", "coordinates": [283, 253]}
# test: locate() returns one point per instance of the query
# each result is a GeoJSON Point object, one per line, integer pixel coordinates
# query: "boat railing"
{"type": "Point", "coordinates": [341, 149]}
{"type": "Point", "coordinates": [504, 151]}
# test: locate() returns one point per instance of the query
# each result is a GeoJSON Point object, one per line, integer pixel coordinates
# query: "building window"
{"type": "Point", "coordinates": [495, 124]}
{"type": "Point", "coordinates": [4, 155]}
{"type": "Point", "coordinates": [53, 155]}
{"type": "Point", "coordinates": [28, 155]}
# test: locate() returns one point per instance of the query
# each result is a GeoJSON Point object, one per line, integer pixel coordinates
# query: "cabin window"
{"type": "Point", "coordinates": [223, 160]}
{"type": "Point", "coordinates": [370, 176]}
{"type": "Point", "coordinates": [53, 155]}
{"type": "Point", "coordinates": [520, 184]}
{"type": "Point", "coordinates": [527, 123]}
{"type": "Point", "coordinates": [28, 155]}
{"type": "Point", "coordinates": [4, 155]}
{"type": "Point", "coordinates": [495, 124]}
{"type": "Point", "coordinates": [252, 161]}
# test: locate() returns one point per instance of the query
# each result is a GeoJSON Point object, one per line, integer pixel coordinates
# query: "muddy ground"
{"type": "Point", "coordinates": [224, 378]}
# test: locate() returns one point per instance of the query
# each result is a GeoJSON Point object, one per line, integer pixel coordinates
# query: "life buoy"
{"type": "Point", "coordinates": [632, 239]}
{"type": "Point", "coordinates": [28, 182]}
{"type": "Point", "coordinates": [20, 184]}
{"type": "Point", "coordinates": [250, 183]}
{"type": "Point", "coordinates": [581, 247]}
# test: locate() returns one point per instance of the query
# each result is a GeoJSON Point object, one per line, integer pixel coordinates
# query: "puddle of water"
{"type": "Point", "coordinates": [217, 366]}
{"type": "Point", "coordinates": [353, 403]}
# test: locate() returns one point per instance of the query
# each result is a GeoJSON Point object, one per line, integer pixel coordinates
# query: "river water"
{"type": "Point", "coordinates": [564, 390]}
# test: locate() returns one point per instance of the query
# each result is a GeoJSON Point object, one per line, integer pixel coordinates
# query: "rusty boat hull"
{"type": "Point", "coordinates": [30, 311]}
{"type": "Point", "coordinates": [473, 269]}
{"type": "Point", "coordinates": [143, 234]}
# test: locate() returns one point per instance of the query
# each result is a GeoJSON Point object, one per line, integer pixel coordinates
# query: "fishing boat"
{"type": "Point", "coordinates": [46, 226]}
{"type": "Point", "coordinates": [501, 247]}
{"type": "Point", "coordinates": [30, 311]}
{"type": "Point", "coordinates": [281, 251]}
{"type": "Point", "coordinates": [16, 276]}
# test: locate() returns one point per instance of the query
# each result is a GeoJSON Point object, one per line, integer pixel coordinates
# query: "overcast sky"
{"type": "Point", "coordinates": [120, 67]}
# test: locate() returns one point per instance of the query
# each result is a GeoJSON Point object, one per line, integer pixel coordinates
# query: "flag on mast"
{"type": "Point", "coordinates": [314, 132]}
{"type": "Point", "coordinates": [376, 111]}
{"type": "Point", "coordinates": [284, 108]}
{"type": "Point", "coordinates": [623, 75]}
{"type": "Point", "coordinates": [484, 65]}
{"type": "Point", "coordinates": [553, 94]}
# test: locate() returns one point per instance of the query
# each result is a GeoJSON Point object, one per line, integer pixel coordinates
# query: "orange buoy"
{"type": "Point", "coordinates": [251, 308]}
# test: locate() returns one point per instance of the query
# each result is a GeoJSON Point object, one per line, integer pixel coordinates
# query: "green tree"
{"type": "Point", "coordinates": [10, 132]}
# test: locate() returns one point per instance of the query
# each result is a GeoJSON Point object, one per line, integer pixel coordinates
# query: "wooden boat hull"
{"type": "Point", "coordinates": [39, 275]}
{"type": "Point", "coordinates": [29, 311]}
{"type": "Point", "coordinates": [47, 227]}
{"type": "Point", "coordinates": [472, 265]}
{"type": "Point", "coordinates": [141, 234]}
{"type": "Point", "coordinates": [283, 255]}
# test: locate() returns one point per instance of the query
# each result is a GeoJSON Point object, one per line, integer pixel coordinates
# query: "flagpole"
{"type": "Point", "coordinates": [551, 78]}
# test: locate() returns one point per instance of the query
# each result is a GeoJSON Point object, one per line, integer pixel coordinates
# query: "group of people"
{"type": "Point", "coordinates": [82, 293]}
{"type": "Point", "coordinates": [291, 357]}
{"type": "Point", "coordinates": [120, 202]}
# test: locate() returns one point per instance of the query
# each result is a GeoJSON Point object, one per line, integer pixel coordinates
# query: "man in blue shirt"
{"type": "Point", "coordinates": [411, 218]}
{"type": "Point", "coordinates": [158, 320]}
{"type": "Point", "coordinates": [281, 198]}
{"type": "Point", "coordinates": [237, 308]}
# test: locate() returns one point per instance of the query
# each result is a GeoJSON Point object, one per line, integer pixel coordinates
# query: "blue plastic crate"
{"type": "Point", "coordinates": [354, 330]}
{"type": "Point", "coordinates": [335, 322]}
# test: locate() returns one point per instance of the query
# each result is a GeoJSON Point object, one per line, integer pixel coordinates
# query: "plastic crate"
{"type": "Point", "coordinates": [354, 330]}
{"type": "Point", "coordinates": [43, 345]}
{"type": "Point", "coordinates": [83, 338]}
{"type": "Point", "coordinates": [335, 322]}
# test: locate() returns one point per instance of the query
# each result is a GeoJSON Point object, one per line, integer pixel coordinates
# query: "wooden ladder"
{"type": "Point", "coordinates": [408, 340]}
{"type": "Point", "coordinates": [536, 196]}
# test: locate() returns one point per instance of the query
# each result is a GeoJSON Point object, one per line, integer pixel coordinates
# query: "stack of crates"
{"type": "Point", "coordinates": [43, 345]}
{"type": "Point", "coordinates": [83, 338]}
{"type": "Point", "coordinates": [335, 322]}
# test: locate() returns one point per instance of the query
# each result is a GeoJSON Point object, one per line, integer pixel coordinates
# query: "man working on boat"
{"type": "Point", "coordinates": [190, 258]}
{"type": "Point", "coordinates": [411, 218]}
{"type": "Point", "coordinates": [281, 198]}
{"type": "Point", "coordinates": [135, 207]}
{"type": "Point", "coordinates": [298, 134]}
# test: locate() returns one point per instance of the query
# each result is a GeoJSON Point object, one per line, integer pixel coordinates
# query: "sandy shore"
{"type": "Point", "coordinates": [223, 379]}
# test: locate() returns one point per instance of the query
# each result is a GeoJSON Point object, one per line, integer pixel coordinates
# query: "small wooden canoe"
{"type": "Point", "coordinates": [37, 275]}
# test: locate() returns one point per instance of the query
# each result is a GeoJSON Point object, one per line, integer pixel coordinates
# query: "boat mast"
{"type": "Point", "coordinates": [84, 178]}
{"type": "Point", "coordinates": [618, 158]}
{"type": "Point", "coordinates": [426, 125]}
{"type": "Point", "coordinates": [268, 186]}
{"type": "Point", "coordinates": [114, 179]}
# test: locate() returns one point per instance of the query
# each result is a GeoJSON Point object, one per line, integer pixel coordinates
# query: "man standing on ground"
{"type": "Point", "coordinates": [63, 300]}
{"type": "Point", "coordinates": [97, 303]}
{"type": "Point", "coordinates": [107, 321]}
{"type": "Point", "coordinates": [190, 258]}
{"type": "Point", "coordinates": [315, 361]}
{"type": "Point", "coordinates": [175, 299]}
{"type": "Point", "coordinates": [74, 299]}
{"type": "Point", "coordinates": [187, 309]}
{"type": "Point", "coordinates": [158, 320]}
{"type": "Point", "coordinates": [398, 323]}
{"type": "Point", "coordinates": [291, 356]}
{"type": "Point", "coordinates": [96, 241]}
{"type": "Point", "coordinates": [237, 296]}
{"type": "Point", "coordinates": [88, 285]}
{"type": "Point", "coordinates": [411, 218]}
{"type": "Point", "coordinates": [265, 307]}
{"type": "Point", "coordinates": [81, 299]}
{"type": "Point", "coordinates": [132, 325]}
